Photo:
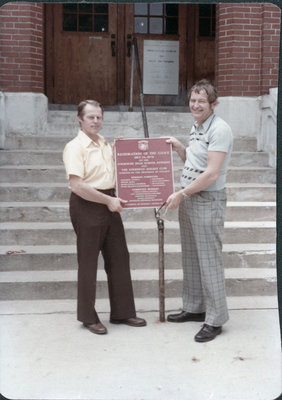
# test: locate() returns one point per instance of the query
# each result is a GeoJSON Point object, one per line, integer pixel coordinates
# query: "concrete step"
{"type": "Point", "coordinates": [38, 255]}
{"type": "Point", "coordinates": [54, 157]}
{"type": "Point", "coordinates": [56, 174]}
{"type": "Point", "coordinates": [142, 232]}
{"type": "Point", "coordinates": [58, 142]}
{"type": "Point", "coordinates": [54, 192]}
{"type": "Point", "coordinates": [62, 257]}
{"type": "Point", "coordinates": [114, 130]}
{"type": "Point", "coordinates": [242, 174]}
{"type": "Point", "coordinates": [36, 307]}
{"type": "Point", "coordinates": [238, 159]}
{"type": "Point", "coordinates": [124, 123]}
{"type": "Point", "coordinates": [51, 212]}
{"type": "Point", "coordinates": [126, 119]}
{"type": "Point", "coordinates": [33, 285]}
{"type": "Point", "coordinates": [123, 116]}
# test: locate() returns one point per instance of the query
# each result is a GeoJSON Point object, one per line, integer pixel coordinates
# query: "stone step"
{"type": "Point", "coordinates": [29, 142]}
{"type": "Point", "coordinates": [142, 232]}
{"type": "Point", "coordinates": [251, 191]}
{"type": "Point", "coordinates": [61, 257]}
{"type": "Point", "coordinates": [36, 307]}
{"type": "Point", "coordinates": [111, 131]}
{"type": "Point", "coordinates": [125, 117]}
{"type": "Point", "coordinates": [124, 123]}
{"type": "Point", "coordinates": [56, 174]}
{"type": "Point", "coordinates": [51, 212]}
{"type": "Point", "coordinates": [54, 157]}
{"type": "Point", "coordinates": [38, 254]}
{"type": "Point", "coordinates": [55, 192]}
{"type": "Point", "coordinates": [33, 285]}
{"type": "Point", "coordinates": [59, 121]}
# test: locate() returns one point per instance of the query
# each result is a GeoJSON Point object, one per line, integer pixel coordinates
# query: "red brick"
{"type": "Point", "coordinates": [247, 54]}
{"type": "Point", "coordinates": [254, 54]}
{"type": "Point", "coordinates": [23, 52]}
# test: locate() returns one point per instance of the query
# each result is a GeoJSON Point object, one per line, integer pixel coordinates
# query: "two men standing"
{"type": "Point", "coordinates": [95, 215]}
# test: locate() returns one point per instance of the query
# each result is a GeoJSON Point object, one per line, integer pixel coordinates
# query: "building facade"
{"type": "Point", "coordinates": [59, 54]}
{"type": "Point", "coordinates": [73, 51]}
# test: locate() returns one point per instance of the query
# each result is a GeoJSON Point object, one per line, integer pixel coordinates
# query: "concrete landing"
{"type": "Point", "coordinates": [51, 356]}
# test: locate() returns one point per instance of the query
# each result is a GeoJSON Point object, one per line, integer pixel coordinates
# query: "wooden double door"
{"type": "Point", "coordinates": [88, 50]}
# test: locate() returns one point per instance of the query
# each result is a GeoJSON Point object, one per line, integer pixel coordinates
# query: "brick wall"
{"type": "Point", "coordinates": [247, 49]}
{"type": "Point", "coordinates": [21, 47]}
{"type": "Point", "coordinates": [270, 47]}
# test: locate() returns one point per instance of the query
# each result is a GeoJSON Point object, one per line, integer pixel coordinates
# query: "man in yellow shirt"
{"type": "Point", "coordinates": [95, 216]}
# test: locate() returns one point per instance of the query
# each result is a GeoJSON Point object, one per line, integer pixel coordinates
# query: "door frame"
{"type": "Point", "coordinates": [97, 60]}
{"type": "Point", "coordinates": [187, 17]}
{"type": "Point", "coordinates": [181, 37]}
{"type": "Point", "coordinates": [121, 53]}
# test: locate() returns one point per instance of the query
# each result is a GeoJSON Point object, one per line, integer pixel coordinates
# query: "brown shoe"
{"type": "Point", "coordinates": [134, 321]}
{"type": "Point", "coordinates": [98, 328]}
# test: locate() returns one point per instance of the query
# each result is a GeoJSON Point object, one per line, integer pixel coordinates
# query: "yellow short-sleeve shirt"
{"type": "Point", "coordinates": [92, 162]}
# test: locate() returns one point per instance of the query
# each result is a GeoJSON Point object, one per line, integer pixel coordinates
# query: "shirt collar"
{"type": "Point", "coordinates": [206, 124]}
{"type": "Point", "coordinates": [87, 141]}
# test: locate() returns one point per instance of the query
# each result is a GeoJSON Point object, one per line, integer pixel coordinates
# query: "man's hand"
{"type": "Point", "coordinates": [116, 204]}
{"type": "Point", "coordinates": [178, 147]}
{"type": "Point", "coordinates": [84, 190]}
{"type": "Point", "coordinates": [174, 200]}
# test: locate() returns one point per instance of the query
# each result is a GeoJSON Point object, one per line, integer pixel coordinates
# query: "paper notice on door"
{"type": "Point", "coordinates": [160, 67]}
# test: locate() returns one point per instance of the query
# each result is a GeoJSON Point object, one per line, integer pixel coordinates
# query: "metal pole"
{"type": "Point", "coordinates": [160, 223]}
{"type": "Point", "coordinates": [145, 125]}
{"type": "Point", "coordinates": [131, 78]}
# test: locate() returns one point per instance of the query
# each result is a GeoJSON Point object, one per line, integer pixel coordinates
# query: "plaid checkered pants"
{"type": "Point", "coordinates": [201, 219]}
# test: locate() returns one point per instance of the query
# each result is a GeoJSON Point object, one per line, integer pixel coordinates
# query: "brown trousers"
{"type": "Point", "coordinates": [98, 229]}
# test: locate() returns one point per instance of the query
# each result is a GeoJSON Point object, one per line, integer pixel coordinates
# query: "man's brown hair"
{"type": "Point", "coordinates": [207, 86]}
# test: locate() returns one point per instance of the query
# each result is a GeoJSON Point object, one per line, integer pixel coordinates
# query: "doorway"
{"type": "Point", "coordinates": [88, 50]}
{"type": "Point", "coordinates": [81, 51]}
{"type": "Point", "coordinates": [161, 23]}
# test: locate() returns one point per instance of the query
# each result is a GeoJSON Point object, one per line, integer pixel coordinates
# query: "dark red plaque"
{"type": "Point", "coordinates": [144, 171]}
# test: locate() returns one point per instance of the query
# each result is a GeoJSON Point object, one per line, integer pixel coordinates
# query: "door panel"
{"type": "Point", "coordinates": [97, 65]}
{"type": "Point", "coordinates": [157, 100]}
{"type": "Point", "coordinates": [84, 63]}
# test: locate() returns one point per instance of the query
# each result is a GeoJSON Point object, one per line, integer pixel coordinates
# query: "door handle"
{"type": "Point", "coordinates": [129, 44]}
{"type": "Point", "coordinates": [113, 47]}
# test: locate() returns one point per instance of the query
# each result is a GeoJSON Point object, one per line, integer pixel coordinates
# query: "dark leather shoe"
{"type": "Point", "coordinates": [98, 328]}
{"type": "Point", "coordinates": [207, 333]}
{"type": "Point", "coordinates": [135, 321]}
{"type": "Point", "coordinates": [185, 316]}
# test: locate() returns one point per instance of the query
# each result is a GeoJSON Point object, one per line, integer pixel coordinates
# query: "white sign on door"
{"type": "Point", "coordinates": [160, 67]}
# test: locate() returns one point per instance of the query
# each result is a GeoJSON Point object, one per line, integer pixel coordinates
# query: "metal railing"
{"type": "Point", "coordinates": [135, 55]}
{"type": "Point", "coordinates": [160, 222]}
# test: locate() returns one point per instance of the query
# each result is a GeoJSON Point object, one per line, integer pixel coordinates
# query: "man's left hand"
{"type": "Point", "coordinates": [174, 200]}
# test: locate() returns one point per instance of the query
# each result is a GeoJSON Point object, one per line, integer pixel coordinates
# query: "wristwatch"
{"type": "Point", "coordinates": [183, 193]}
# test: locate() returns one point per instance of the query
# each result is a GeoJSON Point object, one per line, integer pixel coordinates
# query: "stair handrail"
{"type": "Point", "coordinates": [160, 222]}
{"type": "Point", "coordinates": [268, 133]}
{"type": "Point", "coordinates": [135, 55]}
